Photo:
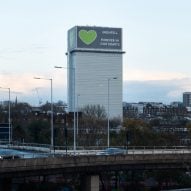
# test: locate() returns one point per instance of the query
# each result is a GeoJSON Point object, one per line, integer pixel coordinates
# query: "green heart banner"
{"type": "Point", "coordinates": [87, 37]}
{"type": "Point", "coordinates": [95, 38]}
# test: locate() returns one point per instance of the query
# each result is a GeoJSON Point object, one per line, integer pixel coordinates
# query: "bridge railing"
{"type": "Point", "coordinates": [128, 150]}
{"type": "Point", "coordinates": [70, 147]}
{"type": "Point", "coordinates": [158, 149]}
{"type": "Point", "coordinates": [92, 150]}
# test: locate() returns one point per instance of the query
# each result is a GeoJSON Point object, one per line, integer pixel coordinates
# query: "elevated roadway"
{"type": "Point", "coordinates": [92, 165]}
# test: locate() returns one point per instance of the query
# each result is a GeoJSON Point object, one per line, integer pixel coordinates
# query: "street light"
{"type": "Point", "coordinates": [77, 101]}
{"type": "Point", "coordinates": [51, 122]}
{"type": "Point", "coordinates": [74, 107]}
{"type": "Point", "coordinates": [9, 114]}
{"type": "Point", "coordinates": [108, 113]}
{"type": "Point", "coordinates": [60, 67]}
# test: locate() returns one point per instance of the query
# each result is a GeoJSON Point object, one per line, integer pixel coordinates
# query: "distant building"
{"type": "Point", "coordinates": [4, 131]}
{"type": "Point", "coordinates": [187, 99]}
{"type": "Point", "coordinates": [176, 104]}
{"type": "Point", "coordinates": [95, 68]}
{"type": "Point", "coordinates": [153, 109]}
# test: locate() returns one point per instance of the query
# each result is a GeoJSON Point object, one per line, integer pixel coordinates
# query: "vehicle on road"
{"type": "Point", "coordinates": [9, 157]}
{"type": "Point", "coordinates": [112, 151]}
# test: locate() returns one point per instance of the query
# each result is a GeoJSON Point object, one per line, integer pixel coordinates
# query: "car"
{"type": "Point", "coordinates": [112, 151]}
{"type": "Point", "coordinates": [9, 157]}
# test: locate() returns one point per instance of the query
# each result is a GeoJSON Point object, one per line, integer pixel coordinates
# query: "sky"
{"type": "Point", "coordinates": [156, 39]}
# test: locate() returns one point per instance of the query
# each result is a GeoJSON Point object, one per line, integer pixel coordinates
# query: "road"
{"type": "Point", "coordinates": [39, 152]}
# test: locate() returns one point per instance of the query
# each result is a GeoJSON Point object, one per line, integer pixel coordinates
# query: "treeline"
{"type": "Point", "coordinates": [33, 125]}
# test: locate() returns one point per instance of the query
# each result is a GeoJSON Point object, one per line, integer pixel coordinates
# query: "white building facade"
{"type": "Point", "coordinates": [95, 68]}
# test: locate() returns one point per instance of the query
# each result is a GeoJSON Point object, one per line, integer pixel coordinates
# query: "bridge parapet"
{"type": "Point", "coordinates": [91, 164]}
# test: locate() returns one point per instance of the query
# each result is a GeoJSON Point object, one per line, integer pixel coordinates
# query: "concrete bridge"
{"type": "Point", "coordinates": [91, 166]}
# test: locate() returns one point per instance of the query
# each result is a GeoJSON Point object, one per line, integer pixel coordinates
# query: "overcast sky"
{"type": "Point", "coordinates": [156, 39]}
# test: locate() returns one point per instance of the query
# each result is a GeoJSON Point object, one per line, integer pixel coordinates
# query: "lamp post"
{"type": "Point", "coordinates": [77, 101]}
{"type": "Point", "coordinates": [74, 107]}
{"type": "Point", "coordinates": [51, 121]}
{"type": "Point", "coordinates": [108, 112]}
{"type": "Point", "coordinates": [10, 131]}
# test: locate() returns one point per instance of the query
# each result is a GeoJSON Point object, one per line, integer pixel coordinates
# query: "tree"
{"type": "Point", "coordinates": [19, 133]}
{"type": "Point", "coordinates": [144, 134]}
{"type": "Point", "coordinates": [92, 125]}
{"type": "Point", "coordinates": [94, 111]}
{"type": "Point", "coordinates": [39, 132]}
{"type": "Point", "coordinates": [137, 130]}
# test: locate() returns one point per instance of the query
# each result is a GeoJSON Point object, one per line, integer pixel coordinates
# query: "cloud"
{"type": "Point", "coordinates": [164, 91]}
{"type": "Point", "coordinates": [23, 86]}
{"type": "Point", "coordinates": [142, 75]}
{"type": "Point", "coordinates": [8, 53]}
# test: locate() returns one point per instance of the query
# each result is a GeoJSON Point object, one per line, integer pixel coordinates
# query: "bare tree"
{"type": "Point", "coordinates": [92, 126]}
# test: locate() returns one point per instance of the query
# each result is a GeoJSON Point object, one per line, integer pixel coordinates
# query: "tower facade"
{"type": "Point", "coordinates": [95, 68]}
{"type": "Point", "coordinates": [187, 99]}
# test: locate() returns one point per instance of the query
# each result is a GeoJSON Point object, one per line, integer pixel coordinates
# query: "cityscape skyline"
{"type": "Point", "coordinates": [33, 39]}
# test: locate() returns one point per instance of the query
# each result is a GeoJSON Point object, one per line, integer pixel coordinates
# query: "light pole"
{"type": "Point", "coordinates": [51, 121]}
{"type": "Point", "coordinates": [77, 101]}
{"type": "Point", "coordinates": [108, 112]}
{"type": "Point", "coordinates": [74, 107]}
{"type": "Point", "coordinates": [10, 132]}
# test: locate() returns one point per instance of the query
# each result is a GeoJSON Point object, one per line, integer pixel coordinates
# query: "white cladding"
{"type": "Point", "coordinates": [90, 76]}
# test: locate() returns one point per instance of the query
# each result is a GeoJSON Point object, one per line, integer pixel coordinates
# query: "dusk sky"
{"type": "Point", "coordinates": [156, 39]}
